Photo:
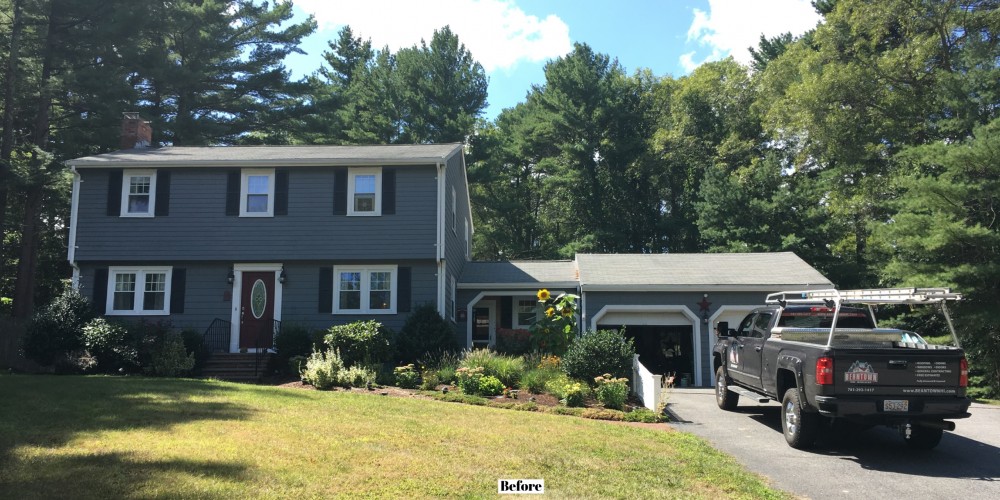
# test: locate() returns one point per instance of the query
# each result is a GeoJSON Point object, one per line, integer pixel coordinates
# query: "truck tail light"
{"type": "Point", "coordinates": [824, 371]}
{"type": "Point", "coordinates": [963, 370]}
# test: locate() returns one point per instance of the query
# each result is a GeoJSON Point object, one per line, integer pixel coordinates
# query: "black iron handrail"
{"type": "Point", "coordinates": [217, 336]}
{"type": "Point", "coordinates": [261, 357]}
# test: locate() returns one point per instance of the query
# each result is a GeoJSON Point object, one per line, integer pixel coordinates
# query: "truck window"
{"type": "Point", "coordinates": [822, 317]}
{"type": "Point", "coordinates": [760, 325]}
{"type": "Point", "coordinates": [744, 329]}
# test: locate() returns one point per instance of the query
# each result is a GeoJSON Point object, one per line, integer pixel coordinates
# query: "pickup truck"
{"type": "Point", "coordinates": [821, 354]}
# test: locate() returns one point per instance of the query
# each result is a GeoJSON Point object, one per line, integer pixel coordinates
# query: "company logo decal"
{"type": "Point", "coordinates": [861, 372]}
{"type": "Point", "coordinates": [734, 357]}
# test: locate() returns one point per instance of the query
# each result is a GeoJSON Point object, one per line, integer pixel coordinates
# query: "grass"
{"type": "Point", "coordinates": [134, 437]}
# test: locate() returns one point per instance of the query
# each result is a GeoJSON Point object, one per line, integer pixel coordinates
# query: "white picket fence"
{"type": "Point", "coordinates": [646, 385]}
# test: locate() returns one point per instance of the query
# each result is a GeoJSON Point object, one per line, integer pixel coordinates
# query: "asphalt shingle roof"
{"type": "Point", "coordinates": [673, 269]}
{"type": "Point", "coordinates": [520, 272]}
{"type": "Point", "coordinates": [286, 155]}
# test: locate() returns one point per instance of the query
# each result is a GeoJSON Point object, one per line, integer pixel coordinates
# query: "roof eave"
{"type": "Point", "coordinates": [319, 162]}
{"type": "Point", "coordinates": [518, 286]}
{"type": "Point", "coordinates": [701, 288]}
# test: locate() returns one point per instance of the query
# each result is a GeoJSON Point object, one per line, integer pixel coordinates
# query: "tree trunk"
{"type": "Point", "coordinates": [7, 138]}
{"type": "Point", "coordinates": [27, 266]}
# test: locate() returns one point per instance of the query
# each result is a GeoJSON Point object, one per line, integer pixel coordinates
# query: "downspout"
{"type": "Point", "coordinates": [440, 255]}
{"type": "Point", "coordinates": [73, 215]}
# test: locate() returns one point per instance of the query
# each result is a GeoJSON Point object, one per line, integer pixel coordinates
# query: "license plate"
{"type": "Point", "coordinates": [896, 405]}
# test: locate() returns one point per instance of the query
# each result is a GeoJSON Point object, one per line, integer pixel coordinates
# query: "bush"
{"type": "Point", "coordinates": [170, 359]}
{"type": "Point", "coordinates": [513, 342]}
{"type": "Point", "coordinates": [425, 331]}
{"type": "Point", "coordinates": [573, 394]}
{"type": "Point", "coordinates": [643, 415]}
{"type": "Point", "coordinates": [443, 365]}
{"type": "Point", "coordinates": [534, 380]}
{"type": "Point", "coordinates": [194, 343]}
{"type": "Point", "coordinates": [597, 353]}
{"type": "Point", "coordinates": [429, 380]}
{"type": "Point", "coordinates": [57, 328]}
{"type": "Point", "coordinates": [322, 369]}
{"type": "Point", "coordinates": [357, 376]}
{"type": "Point", "coordinates": [292, 341]}
{"type": "Point", "coordinates": [364, 342]}
{"type": "Point", "coordinates": [490, 386]}
{"type": "Point", "coordinates": [468, 379]}
{"type": "Point", "coordinates": [506, 368]}
{"type": "Point", "coordinates": [611, 392]}
{"type": "Point", "coordinates": [111, 345]}
{"type": "Point", "coordinates": [407, 376]}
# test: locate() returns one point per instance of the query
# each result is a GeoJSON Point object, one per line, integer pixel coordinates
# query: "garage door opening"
{"type": "Point", "coordinates": [664, 349]}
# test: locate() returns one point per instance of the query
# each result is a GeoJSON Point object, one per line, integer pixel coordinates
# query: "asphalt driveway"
{"type": "Point", "coordinates": [872, 464]}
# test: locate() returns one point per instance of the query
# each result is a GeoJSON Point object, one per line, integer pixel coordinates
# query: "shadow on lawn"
{"type": "Point", "coordinates": [50, 411]}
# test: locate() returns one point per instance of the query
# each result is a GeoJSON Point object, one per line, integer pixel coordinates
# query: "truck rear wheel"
{"type": "Point", "coordinates": [924, 438]}
{"type": "Point", "coordinates": [799, 426]}
{"type": "Point", "coordinates": [726, 399]}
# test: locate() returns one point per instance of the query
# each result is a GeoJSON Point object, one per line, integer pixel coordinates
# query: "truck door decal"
{"type": "Point", "coordinates": [734, 357]}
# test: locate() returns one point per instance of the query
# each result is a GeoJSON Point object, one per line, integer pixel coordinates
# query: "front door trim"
{"type": "Point", "coordinates": [238, 270]}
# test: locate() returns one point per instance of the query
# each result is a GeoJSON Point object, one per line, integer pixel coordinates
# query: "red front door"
{"type": "Point", "coordinates": [257, 310]}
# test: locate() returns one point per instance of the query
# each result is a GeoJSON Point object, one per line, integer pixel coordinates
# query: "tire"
{"type": "Point", "coordinates": [726, 399]}
{"type": "Point", "coordinates": [800, 427]}
{"type": "Point", "coordinates": [924, 438]}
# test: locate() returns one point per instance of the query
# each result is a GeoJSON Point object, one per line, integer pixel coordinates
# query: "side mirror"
{"type": "Point", "coordinates": [722, 329]}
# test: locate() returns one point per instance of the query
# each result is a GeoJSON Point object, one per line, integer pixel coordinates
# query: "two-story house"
{"type": "Point", "coordinates": [235, 240]}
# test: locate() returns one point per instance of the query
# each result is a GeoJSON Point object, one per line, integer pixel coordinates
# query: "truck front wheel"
{"type": "Point", "coordinates": [726, 399]}
{"type": "Point", "coordinates": [799, 426]}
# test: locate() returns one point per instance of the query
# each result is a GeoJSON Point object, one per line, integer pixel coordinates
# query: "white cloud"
{"type": "Point", "coordinates": [731, 26]}
{"type": "Point", "coordinates": [496, 32]}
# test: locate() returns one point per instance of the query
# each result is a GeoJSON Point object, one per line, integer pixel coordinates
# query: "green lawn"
{"type": "Point", "coordinates": [133, 437]}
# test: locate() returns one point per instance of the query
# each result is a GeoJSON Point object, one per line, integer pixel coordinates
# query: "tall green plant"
{"type": "Point", "coordinates": [557, 323]}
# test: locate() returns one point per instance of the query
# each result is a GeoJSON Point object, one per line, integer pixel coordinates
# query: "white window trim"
{"type": "Point", "coordinates": [244, 174]}
{"type": "Point", "coordinates": [352, 174]}
{"type": "Point", "coordinates": [140, 288]}
{"type": "Point", "coordinates": [127, 176]}
{"type": "Point", "coordinates": [514, 321]}
{"type": "Point", "coordinates": [365, 289]}
{"type": "Point", "coordinates": [454, 212]}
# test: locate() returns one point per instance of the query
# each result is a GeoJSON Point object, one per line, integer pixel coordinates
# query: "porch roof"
{"type": "Point", "coordinates": [701, 271]}
{"type": "Point", "coordinates": [519, 274]}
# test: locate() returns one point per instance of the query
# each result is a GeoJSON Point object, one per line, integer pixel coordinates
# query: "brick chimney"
{"type": "Point", "coordinates": [136, 132]}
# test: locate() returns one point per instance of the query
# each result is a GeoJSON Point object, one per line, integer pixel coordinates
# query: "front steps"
{"type": "Point", "coordinates": [236, 367]}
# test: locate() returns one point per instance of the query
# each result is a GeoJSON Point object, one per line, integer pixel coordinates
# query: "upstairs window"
{"type": "Point", "coordinates": [138, 193]}
{"type": "Point", "coordinates": [364, 191]}
{"type": "Point", "coordinates": [257, 193]}
{"type": "Point", "coordinates": [138, 291]}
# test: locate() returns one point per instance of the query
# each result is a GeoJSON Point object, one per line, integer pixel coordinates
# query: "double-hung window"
{"type": "Point", "coordinates": [364, 289]}
{"type": "Point", "coordinates": [257, 193]}
{"type": "Point", "coordinates": [138, 193]}
{"type": "Point", "coordinates": [524, 313]}
{"type": "Point", "coordinates": [138, 291]}
{"type": "Point", "coordinates": [365, 191]}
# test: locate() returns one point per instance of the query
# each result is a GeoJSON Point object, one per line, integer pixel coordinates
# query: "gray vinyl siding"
{"type": "Point", "coordinates": [197, 228]}
{"type": "Point", "coordinates": [595, 301]}
{"type": "Point", "coordinates": [208, 295]}
{"type": "Point", "coordinates": [455, 249]}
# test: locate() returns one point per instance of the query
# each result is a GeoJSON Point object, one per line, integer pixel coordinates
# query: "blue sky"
{"type": "Point", "coordinates": [513, 39]}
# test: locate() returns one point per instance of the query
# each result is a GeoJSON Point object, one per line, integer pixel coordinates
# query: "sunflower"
{"type": "Point", "coordinates": [567, 312]}
{"type": "Point", "coordinates": [550, 311]}
{"type": "Point", "coordinates": [544, 295]}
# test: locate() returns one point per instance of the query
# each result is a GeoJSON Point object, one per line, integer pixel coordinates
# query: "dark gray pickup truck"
{"type": "Point", "coordinates": [821, 354]}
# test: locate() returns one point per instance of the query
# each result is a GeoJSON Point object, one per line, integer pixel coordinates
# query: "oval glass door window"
{"type": "Point", "coordinates": [258, 299]}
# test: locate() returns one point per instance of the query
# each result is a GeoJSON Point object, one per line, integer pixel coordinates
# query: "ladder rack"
{"type": "Point", "coordinates": [868, 296]}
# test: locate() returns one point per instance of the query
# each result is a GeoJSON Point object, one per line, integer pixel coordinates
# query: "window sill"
{"type": "Point", "coordinates": [256, 215]}
{"type": "Point", "coordinates": [363, 214]}
{"type": "Point", "coordinates": [139, 216]}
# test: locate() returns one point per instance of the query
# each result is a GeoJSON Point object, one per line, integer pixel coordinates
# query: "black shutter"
{"type": "Point", "coordinates": [115, 193]}
{"type": "Point", "coordinates": [162, 208]}
{"type": "Point", "coordinates": [404, 295]}
{"type": "Point", "coordinates": [325, 290]}
{"type": "Point", "coordinates": [281, 191]}
{"type": "Point", "coordinates": [233, 193]}
{"type": "Point", "coordinates": [177, 283]}
{"type": "Point", "coordinates": [99, 295]}
{"type": "Point", "coordinates": [388, 191]}
{"type": "Point", "coordinates": [340, 191]}
{"type": "Point", "coordinates": [506, 312]}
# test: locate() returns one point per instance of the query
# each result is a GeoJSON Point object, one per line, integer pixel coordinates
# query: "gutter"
{"type": "Point", "coordinates": [73, 217]}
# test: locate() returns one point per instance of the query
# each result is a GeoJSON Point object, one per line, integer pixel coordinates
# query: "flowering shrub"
{"type": "Point", "coordinates": [573, 394]}
{"type": "Point", "coordinates": [549, 362]}
{"type": "Point", "coordinates": [407, 376]}
{"type": "Point", "coordinates": [323, 369]}
{"type": "Point", "coordinates": [490, 386]}
{"type": "Point", "coordinates": [468, 379]}
{"type": "Point", "coordinates": [611, 392]}
{"type": "Point", "coordinates": [357, 376]}
{"type": "Point", "coordinates": [557, 325]}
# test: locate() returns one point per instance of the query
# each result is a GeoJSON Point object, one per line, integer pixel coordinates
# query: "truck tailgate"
{"type": "Point", "coordinates": [898, 372]}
